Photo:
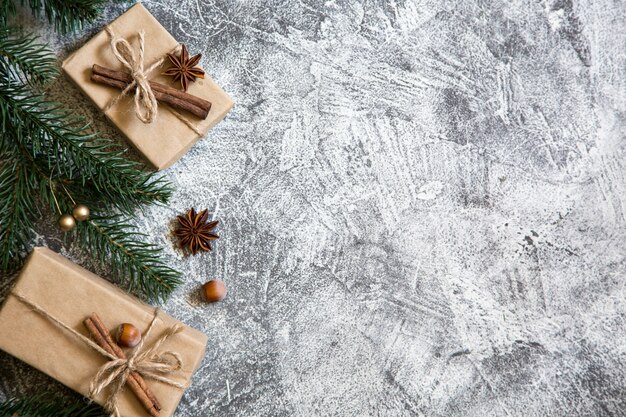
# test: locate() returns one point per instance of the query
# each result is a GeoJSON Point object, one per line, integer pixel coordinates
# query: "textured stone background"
{"type": "Point", "coordinates": [423, 207]}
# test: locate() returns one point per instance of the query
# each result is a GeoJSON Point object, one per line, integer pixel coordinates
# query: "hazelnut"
{"type": "Point", "coordinates": [128, 335]}
{"type": "Point", "coordinates": [214, 290]}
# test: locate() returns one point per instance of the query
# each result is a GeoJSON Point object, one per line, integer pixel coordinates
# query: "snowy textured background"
{"type": "Point", "coordinates": [423, 207]}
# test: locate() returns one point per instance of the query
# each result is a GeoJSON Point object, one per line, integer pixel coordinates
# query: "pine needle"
{"type": "Point", "coordinates": [75, 153]}
{"type": "Point", "coordinates": [17, 209]}
{"type": "Point", "coordinates": [65, 15]}
{"type": "Point", "coordinates": [136, 264]}
{"type": "Point", "coordinates": [48, 405]}
{"type": "Point", "coordinates": [24, 60]}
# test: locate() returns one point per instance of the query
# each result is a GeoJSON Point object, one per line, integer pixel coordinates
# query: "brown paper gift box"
{"type": "Point", "coordinates": [165, 140]}
{"type": "Point", "coordinates": [71, 293]}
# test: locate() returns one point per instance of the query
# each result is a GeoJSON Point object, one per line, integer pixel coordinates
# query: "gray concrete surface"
{"type": "Point", "coordinates": [423, 207]}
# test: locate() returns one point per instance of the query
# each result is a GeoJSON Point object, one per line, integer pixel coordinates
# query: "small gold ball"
{"type": "Point", "coordinates": [81, 212]}
{"type": "Point", "coordinates": [66, 222]}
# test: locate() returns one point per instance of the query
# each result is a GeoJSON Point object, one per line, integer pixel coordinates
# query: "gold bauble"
{"type": "Point", "coordinates": [81, 212]}
{"type": "Point", "coordinates": [66, 222]}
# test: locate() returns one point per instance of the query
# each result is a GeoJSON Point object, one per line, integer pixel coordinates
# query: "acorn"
{"type": "Point", "coordinates": [128, 335]}
{"type": "Point", "coordinates": [66, 222]}
{"type": "Point", "coordinates": [81, 212]}
{"type": "Point", "coordinates": [214, 290]}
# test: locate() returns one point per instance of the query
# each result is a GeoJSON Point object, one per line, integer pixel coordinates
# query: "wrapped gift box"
{"type": "Point", "coordinates": [165, 140]}
{"type": "Point", "coordinates": [71, 293]}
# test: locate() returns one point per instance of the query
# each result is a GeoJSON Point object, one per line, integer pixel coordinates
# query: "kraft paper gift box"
{"type": "Point", "coordinates": [166, 139]}
{"type": "Point", "coordinates": [70, 294]}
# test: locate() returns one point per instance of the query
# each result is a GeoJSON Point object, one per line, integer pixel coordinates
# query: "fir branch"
{"type": "Point", "coordinates": [24, 60]}
{"type": "Point", "coordinates": [65, 15]}
{"type": "Point", "coordinates": [135, 265]}
{"type": "Point", "coordinates": [7, 8]}
{"type": "Point", "coordinates": [68, 15]}
{"type": "Point", "coordinates": [116, 243]}
{"type": "Point", "coordinates": [75, 153]}
{"type": "Point", "coordinates": [48, 405]}
{"type": "Point", "coordinates": [18, 187]}
{"type": "Point", "coordinates": [44, 148]}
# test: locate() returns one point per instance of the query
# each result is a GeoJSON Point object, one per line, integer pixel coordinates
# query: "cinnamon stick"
{"type": "Point", "coordinates": [117, 351]}
{"type": "Point", "coordinates": [165, 98]}
{"type": "Point", "coordinates": [123, 76]}
{"type": "Point", "coordinates": [175, 98]}
{"type": "Point", "coordinates": [132, 382]}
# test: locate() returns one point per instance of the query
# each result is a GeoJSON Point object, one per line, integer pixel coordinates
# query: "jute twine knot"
{"type": "Point", "coordinates": [146, 105]}
{"type": "Point", "coordinates": [149, 362]}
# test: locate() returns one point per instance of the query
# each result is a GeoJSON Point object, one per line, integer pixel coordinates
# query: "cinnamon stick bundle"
{"type": "Point", "coordinates": [163, 93]}
{"type": "Point", "coordinates": [102, 337]}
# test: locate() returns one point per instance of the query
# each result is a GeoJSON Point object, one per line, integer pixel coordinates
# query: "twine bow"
{"type": "Point", "coordinates": [146, 104]}
{"type": "Point", "coordinates": [150, 362]}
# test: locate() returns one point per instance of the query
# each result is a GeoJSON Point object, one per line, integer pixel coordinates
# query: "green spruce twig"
{"type": "Point", "coordinates": [136, 264]}
{"type": "Point", "coordinates": [65, 15]}
{"type": "Point", "coordinates": [17, 205]}
{"type": "Point", "coordinates": [48, 405]}
{"type": "Point", "coordinates": [50, 156]}
{"type": "Point", "coordinates": [24, 60]}
{"type": "Point", "coordinates": [75, 153]}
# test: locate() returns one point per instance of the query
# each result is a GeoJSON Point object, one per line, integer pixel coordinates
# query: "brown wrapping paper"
{"type": "Point", "coordinates": [71, 294]}
{"type": "Point", "coordinates": [165, 140]}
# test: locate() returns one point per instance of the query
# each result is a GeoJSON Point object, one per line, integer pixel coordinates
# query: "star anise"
{"type": "Point", "coordinates": [194, 231]}
{"type": "Point", "coordinates": [184, 68]}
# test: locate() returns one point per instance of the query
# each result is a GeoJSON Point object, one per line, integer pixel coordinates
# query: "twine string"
{"type": "Point", "coordinates": [146, 104]}
{"type": "Point", "coordinates": [149, 362]}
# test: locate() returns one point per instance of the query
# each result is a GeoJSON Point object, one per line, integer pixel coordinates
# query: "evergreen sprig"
{"type": "Point", "coordinates": [73, 151]}
{"type": "Point", "coordinates": [50, 156]}
{"type": "Point", "coordinates": [18, 189]}
{"type": "Point", "coordinates": [65, 15]}
{"type": "Point", "coordinates": [136, 264]}
{"type": "Point", "coordinates": [48, 405]}
{"type": "Point", "coordinates": [24, 60]}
